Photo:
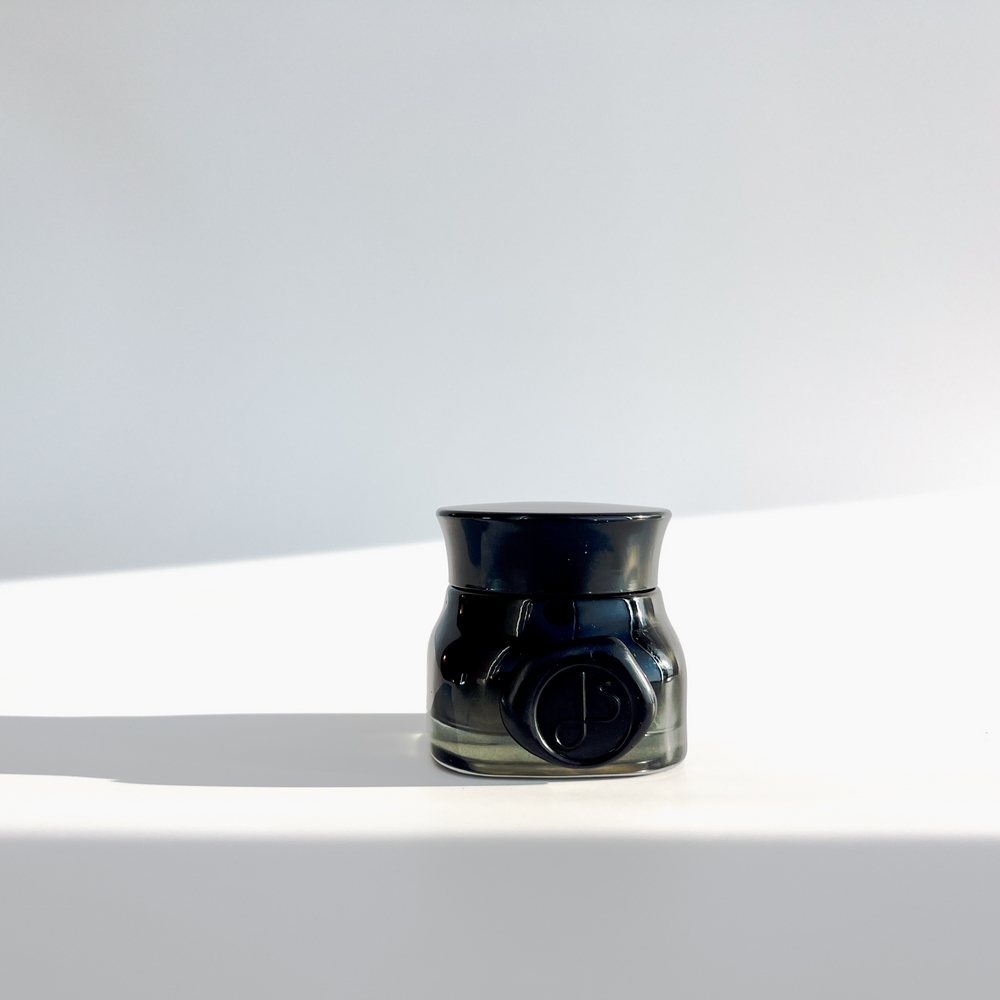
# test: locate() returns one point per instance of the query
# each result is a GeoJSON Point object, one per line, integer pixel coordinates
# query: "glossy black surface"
{"type": "Point", "coordinates": [553, 549]}
{"type": "Point", "coordinates": [553, 655]}
{"type": "Point", "coordinates": [506, 669]}
{"type": "Point", "coordinates": [579, 703]}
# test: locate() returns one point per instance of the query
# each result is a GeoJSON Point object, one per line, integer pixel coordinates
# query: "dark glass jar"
{"type": "Point", "coordinates": [553, 656]}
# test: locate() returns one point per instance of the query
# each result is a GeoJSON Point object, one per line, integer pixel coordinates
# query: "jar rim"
{"type": "Point", "coordinates": [548, 510]}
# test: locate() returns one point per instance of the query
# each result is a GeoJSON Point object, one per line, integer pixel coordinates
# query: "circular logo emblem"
{"type": "Point", "coordinates": [583, 713]}
{"type": "Point", "coordinates": [580, 703]}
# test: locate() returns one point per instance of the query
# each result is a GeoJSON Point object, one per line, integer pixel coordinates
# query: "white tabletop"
{"type": "Point", "coordinates": [844, 679]}
{"type": "Point", "coordinates": [844, 687]}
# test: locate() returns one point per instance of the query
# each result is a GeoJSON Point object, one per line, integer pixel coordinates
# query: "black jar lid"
{"type": "Point", "coordinates": [553, 548]}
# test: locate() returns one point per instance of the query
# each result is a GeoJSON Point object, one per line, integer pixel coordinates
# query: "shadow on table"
{"type": "Point", "coordinates": [289, 751]}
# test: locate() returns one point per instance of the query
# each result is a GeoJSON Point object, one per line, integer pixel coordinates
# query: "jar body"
{"type": "Point", "coordinates": [485, 643]}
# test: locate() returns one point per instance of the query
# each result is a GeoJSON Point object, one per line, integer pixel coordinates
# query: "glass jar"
{"type": "Point", "coordinates": [553, 656]}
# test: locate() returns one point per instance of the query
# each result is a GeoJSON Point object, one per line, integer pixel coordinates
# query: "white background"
{"type": "Point", "coordinates": [279, 277]}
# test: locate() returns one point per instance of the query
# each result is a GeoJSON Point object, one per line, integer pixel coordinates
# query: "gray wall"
{"type": "Point", "coordinates": [285, 276]}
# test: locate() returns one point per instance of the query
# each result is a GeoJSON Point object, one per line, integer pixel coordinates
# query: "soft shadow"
{"type": "Point", "coordinates": [285, 751]}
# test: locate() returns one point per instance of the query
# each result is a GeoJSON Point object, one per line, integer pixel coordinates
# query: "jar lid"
{"type": "Point", "coordinates": [553, 549]}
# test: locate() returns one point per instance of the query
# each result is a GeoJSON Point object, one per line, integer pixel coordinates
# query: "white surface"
{"type": "Point", "coordinates": [834, 831]}
{"type": "Point", "coordinates": [275, 275]}
{"type": "Point", "coordinates": [302, 634]}
{"type": "Point", "coordinates": [845, 679]}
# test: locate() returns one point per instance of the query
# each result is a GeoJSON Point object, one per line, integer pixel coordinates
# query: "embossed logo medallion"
{"type": "Point", "coordinates": [583, 713]}
{"type": "Point", "coordinates": [579, 704]}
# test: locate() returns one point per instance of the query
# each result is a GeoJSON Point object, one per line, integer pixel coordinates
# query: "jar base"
{"type": "Point", "coordinates": [495, 755]}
